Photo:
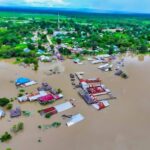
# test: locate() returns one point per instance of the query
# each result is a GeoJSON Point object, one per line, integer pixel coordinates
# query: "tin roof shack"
{"type": "Point", "coordinates": [51, 111]}
{"type": "Point", "coordinates": [56, 109]}
{"type": "Point", "coordinates": [46, 99]}
{"type": "Point", "coordinates": [15, 113]}
{"type": "Point", "coordinates": [87, 97]}
{"type": "Point", "coordinates": [45, 87]}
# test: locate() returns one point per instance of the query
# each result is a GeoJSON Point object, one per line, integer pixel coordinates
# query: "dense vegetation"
{"type": "Point", "coordinates": [92, 33]}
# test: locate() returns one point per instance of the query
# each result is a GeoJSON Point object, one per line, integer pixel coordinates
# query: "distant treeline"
{"type": "Point", "coordinates": [73, 12]}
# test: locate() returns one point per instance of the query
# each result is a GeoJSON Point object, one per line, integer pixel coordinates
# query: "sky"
{"type": "Point", "coordinates": [139, 6]}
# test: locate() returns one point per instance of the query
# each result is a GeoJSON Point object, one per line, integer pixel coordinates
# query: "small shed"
{"type": "Point", "coordinates": [101, 105]}
{"type": "Point", "coordinates": [50, 111]}
{"type": "Point", "coordinates": [2, 113]}
{"type": "Point", "coordinates": [22, 80]}
{"type": "Point", "coordinates": [15, 113]}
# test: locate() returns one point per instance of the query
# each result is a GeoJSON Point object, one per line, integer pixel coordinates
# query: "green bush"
{"type": "Point", "coordinates": [11, 99]}
{"type": "Point", "coordinates": [18, 127]}
{"type": "Point", "coordinates": [5, 137]}
{"type": "Point", "coordinates": [4, 101]}
{"type": "Point", "coordinates": [124, 75]}
{"type": "Point", "coordinates": [20, 94]}
{"type": "Point", "coordinates": [51, 102]}
{"type": "Point", "coordinates": [14, 129]}
{"type": "Point", "coordinates": [36, 66]}
{"type": "Point", "coordinates": [21, 90]}
{"type": "Point", "coordinates": [9, 106]}
{"type": "Point", "coordinates": [8, 149]}
{"type": "Point", "coordinates": [59, 91]}
{"type": "Point", "coordinates": [56, 124]}
{"type": "Point", "coordinates": [39, 126]}
{"type": "Point", "coordinates": [48, 116]}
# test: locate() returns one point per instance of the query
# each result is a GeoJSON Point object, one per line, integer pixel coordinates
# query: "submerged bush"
{"type": "Point", "coordinates": [39, 126]}
{"type": "Point", "coordinates": [20, 94]}
{"type": "Point", "coordinates": [56, 124]}
{"type": "Point", "coordinates": [5, 137]}
{"type": "Point", "coordinates": [18, 127]}
{"type": "Point", "coordinates": [4, 101]}
{"type": "Point", "coordinates": [8, 149]}
{"type": "Point", "coordinates": [124, 75]}
{"type": "Point", "coordinates": [59, 91]}
{"type": "Point", "coordinates": [9, 106]}
{"type": "Point", "coordinates": [21, 90]}
{"type": "Point", "coordinates": [36, 66]}
{"type": "Point", "coordinates": [48, 116]}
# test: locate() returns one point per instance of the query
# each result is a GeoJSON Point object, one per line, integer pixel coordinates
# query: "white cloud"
{"type": "Point", "coordinates": [49, 3]}
{"type": "Point", "coordinates": [38, 3]}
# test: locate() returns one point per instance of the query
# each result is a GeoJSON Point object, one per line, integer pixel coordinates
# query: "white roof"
{"type": "Point", "coordinates": [106, 104]}
{"type": "Point", "coordinates": [102, 56]}
{"type": "Point", "coordinates": [84, 85]}
{"type": "Point", "coordinates": [35, 97]}
{"type": "Point", "coordinates": [96, 61]}
{"type": "Point", "coordinates": [103, 66]}
{"type": "Point", "coordinates": [81, 73]}
{"type": "Point", "coordinates": [31, 98]}
{"type": "Point", "coordinates": [2, 113]}
{"type": "Point", "coordinates": [60, 95]}
{"type": "Point", "coordinates": [30, 83]}
{"type": "Point", "coordinates": [75, 119]}
{"type": "Point", "coordinates": [22, 98]}
{"type": "Point", "coordinates": [63, 107]}
{"type": "Point", "coordinates": [42, 93]}
{"type": "Point", "coordinates": [90, 59]}
{"type": "Point", "coordinates": [44, 57]}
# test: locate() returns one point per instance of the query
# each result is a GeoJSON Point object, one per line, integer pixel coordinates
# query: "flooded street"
{"type": "Point", "coordinates": [124, 125]}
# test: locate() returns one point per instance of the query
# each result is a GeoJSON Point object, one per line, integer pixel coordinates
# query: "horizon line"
{"type": "Point", "coordinates": [71, 9]}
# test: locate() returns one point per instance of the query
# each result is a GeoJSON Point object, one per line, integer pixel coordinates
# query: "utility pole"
{"type": "Point", "coordinates": [58, 22]}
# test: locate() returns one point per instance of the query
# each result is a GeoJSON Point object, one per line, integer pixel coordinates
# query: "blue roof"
{"type": "Point", "coordinates": [40, 51]}
{"type": "Point", "coordinates": [22, 80]}
{"type": "Point", "coordinates": [27, 50]}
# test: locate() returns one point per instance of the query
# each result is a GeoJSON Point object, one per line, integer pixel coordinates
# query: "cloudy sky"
{"type": "Point", "coordinates": [114, 5]}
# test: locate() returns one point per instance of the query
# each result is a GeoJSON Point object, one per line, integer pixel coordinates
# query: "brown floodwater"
{"type": "Point", "coordinates": [124, 125]}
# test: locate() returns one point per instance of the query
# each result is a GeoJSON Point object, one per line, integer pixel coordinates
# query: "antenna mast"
{"type": "Point", "coordinates": [58, 21]}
